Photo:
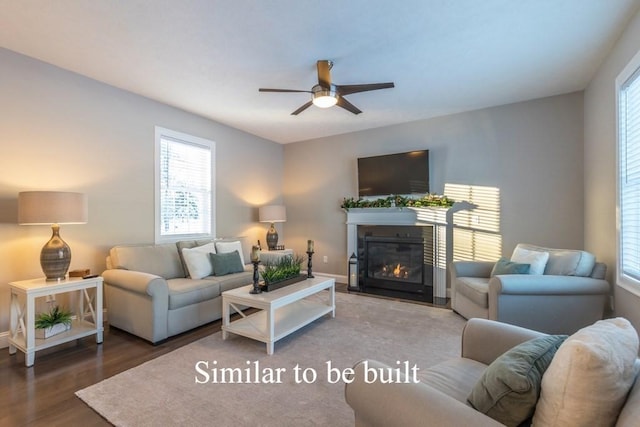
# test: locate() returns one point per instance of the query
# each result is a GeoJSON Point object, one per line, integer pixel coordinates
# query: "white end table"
{"type": "Point", "coordinates": [23, 298]}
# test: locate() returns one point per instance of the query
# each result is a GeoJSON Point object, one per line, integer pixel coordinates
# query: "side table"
{"type": "Point", "coordinates": [87, 319]}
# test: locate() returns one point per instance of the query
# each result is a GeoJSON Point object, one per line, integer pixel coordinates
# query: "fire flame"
{"type": "Point", "coordinates": [396, 271]}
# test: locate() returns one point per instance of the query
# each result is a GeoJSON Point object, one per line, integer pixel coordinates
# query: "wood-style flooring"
{"type": "Point", "coordinates": [43, 395]}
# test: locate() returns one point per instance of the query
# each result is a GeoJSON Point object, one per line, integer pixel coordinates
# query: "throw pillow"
{"type": "Point", "coordinates": [504, 266]}
{"type": "Point", "coordinates": [197, 260]}
{"type": "Point", "coordinates": [509, 388]}
{"type": "Point", "coordinates": [226, 263]}
{"type": "Point", "coordinates": [537, 260]}
{"type": "Point", "coordinates": [230, 246]}
{"type": "Point", "coordinates": [589, 378]}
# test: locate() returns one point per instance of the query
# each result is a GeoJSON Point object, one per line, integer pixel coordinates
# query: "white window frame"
{"type": "Point", "coordinates": [161, 133]}
{"type": "Point", "coordinates": [631, 70]}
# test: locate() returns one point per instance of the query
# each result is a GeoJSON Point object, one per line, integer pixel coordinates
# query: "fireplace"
{"type": "Point", "coordinates": [396, 261]}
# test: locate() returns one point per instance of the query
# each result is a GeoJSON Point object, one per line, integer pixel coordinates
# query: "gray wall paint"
{"type": "Point", "coordinates": [62, 131]}
{"type": "Point", "coordinates": [600, 164]}
{"type": "Point", "coordinates": [532, 151]}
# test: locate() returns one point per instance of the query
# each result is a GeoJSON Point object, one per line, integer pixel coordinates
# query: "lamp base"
{"type": "Point", "coordinates": [272, 238]}
{"type": "Point", "coordinates": [55, 256]}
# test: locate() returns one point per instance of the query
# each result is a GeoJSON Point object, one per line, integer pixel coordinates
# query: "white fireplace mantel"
{"type": "Point", "coordinates": [439, 218]}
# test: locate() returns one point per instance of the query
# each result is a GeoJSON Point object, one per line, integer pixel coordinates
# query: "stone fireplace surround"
{"type": "Point", "coordinates": [439, 218]}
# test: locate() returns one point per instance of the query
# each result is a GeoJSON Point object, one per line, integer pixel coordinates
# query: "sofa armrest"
{"type": "Point", "coordinates": [471, 268]}
{"type": "Point", "coordinates": [406, 404]}
{"type": "Point", "coordinates": [484, 340]}
{"type": "Point", "coordinates": [137, 282]}
{"type": "Point", "coordinates": [529, 284]}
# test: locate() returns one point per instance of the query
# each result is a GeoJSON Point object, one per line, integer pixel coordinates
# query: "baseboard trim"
{"type": "Point", "coordinates": [4, 339]}
{"type": "Point", "coordinates": [338, 277]}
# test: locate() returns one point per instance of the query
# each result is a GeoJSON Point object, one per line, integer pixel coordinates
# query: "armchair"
{"type": "Point", "coordinates": [440, 398]}
{"type": "Point", "coordinates": [571, 294]}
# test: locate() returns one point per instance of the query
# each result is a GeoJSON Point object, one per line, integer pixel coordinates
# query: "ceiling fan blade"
{"type": "Point", "coordinates": [282, 90]}
{"type": "Point", "coordinates": [301, 109]}
{"type": "Point", "coordinates": [348, 89]}
{"type": "Point", "coordinates": [324, 75]}
{"type": "Point", "coordinates": [342, 102]}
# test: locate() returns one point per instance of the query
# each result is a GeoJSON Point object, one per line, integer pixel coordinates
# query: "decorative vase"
{"type": "Point", "coordinates": [55, 256]}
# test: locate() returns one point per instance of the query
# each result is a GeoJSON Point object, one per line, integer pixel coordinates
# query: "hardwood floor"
{"type": "Point", "coordinates": [43, 395]}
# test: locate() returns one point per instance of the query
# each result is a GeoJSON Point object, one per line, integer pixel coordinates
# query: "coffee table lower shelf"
{"type": "Point", "coordinates": [284, 313]}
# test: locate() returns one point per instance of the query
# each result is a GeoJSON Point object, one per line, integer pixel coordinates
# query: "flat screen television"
{"type": "Point", "coordinates": [397, 174]}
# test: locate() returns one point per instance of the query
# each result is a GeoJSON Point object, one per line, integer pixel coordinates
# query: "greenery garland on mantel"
{"type": "Point", "coordinates": [430, 200]}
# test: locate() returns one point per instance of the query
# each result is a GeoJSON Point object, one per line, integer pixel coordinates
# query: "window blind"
{"type": "Point", "coordinates": [185, 188]}
{"type": "Point", "coordinates": [629, 178]}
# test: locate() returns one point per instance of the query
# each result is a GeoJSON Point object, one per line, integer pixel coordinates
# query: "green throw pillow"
{"type": "Point", "coordinates": [510, 387]}
{"type": "Point", "coordinates": [226, 263]}
{"type": "Point", "coordinates": [504, 266]}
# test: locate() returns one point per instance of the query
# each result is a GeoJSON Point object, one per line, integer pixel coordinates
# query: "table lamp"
{"type": "Point", "coordinates": [53, 208]}
{"type": "Point", "coordinates": [272, 214]}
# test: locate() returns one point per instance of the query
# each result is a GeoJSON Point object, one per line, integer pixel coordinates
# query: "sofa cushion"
{"type": "Point", "coordinates": [536, 259]}
{"type": "Point", "coordinates": [509, 388]}
{"type": "Point", "coordinates": [474, 288]}
{"type": "Point", "coordinates": [184, 292]}
{"type": "Point", "coordinates": [226, 263]}
{"type": "Point", "coordinates": [162, 260]}
{"type": "Point", "coordinates": [198, 261]}
{"type": "Point", "coordinates": [504, 266]}
{"type": "Point", "coordinates": [232, 281]}
{"type": "Point", "coordinates": [565, 262]}
{"type": "Point", "coordinates": [223, 247]}
{"type": "Point", "coordinates": [189, 244]}
{"type": "Point", "coordinates": [589, 378]}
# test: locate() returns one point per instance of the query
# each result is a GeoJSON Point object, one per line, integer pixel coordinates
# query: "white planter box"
{"type": "Point", "coordinates": [53, 330]}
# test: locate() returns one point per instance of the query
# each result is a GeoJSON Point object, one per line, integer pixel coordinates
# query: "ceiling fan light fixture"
{"type": "Point", "coordinates": [323, 97]}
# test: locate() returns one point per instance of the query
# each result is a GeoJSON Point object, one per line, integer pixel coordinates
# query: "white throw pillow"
{"type": "Point", "coordinates": [198, 261]}
{"type": "Point", "coordinates": [226, 247]}
{"type": "Point", "coordinates": [589, 377]}
{"type": "Point", "coordinates": [537, 260]}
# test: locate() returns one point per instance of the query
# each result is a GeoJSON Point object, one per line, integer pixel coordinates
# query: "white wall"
{"type": "Point", "coordinates": [532, 151]}
{"type": "Point", "coordinates": [600, 164]}
{"type": "Point", "coordinates": [62, 131]}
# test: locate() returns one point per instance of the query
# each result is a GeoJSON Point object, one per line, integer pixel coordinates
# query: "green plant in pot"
{"type": "Point", "coordinates": [47, 322]}
{"type": "Point", "coordinates": [285, 268]}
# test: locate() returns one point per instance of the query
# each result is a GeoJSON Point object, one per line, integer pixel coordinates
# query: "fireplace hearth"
{"type": "Point", "coordinates": [396, 261]}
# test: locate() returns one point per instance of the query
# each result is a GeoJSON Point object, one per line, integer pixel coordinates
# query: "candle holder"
{"type": "Point", "coordinates": [256, 278]}
{"type": "Point", "coordinates": [309, 272]}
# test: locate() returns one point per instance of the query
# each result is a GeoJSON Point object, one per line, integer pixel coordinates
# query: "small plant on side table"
{"type": "Point", "coordinates": [53, 322]}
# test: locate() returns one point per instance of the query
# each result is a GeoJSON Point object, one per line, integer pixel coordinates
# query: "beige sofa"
{"type": "Point", "coordinates": [570, 292]}
{"type": "Point", "coordinates": [440, 398]}
{"type": "Point", "coordinates": [148, 291]}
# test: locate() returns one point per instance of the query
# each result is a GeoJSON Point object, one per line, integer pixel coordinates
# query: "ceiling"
{"type": "Point", "coordinates": [209, 57]}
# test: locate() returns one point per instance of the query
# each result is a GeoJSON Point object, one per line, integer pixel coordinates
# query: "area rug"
{"type": "Point", "coordinates": [300, 384]}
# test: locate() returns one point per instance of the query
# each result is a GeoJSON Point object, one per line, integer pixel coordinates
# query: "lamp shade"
{"type": "Point", "coordinates": [272, 213]}
{"type": "Point", "coordinates": [52, 207]}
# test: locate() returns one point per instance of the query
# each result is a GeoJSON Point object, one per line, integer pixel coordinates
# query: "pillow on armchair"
{"type": "Point", "coordinates": [587, 382]}
{"type": "Point", "coordinates": [536, 259]}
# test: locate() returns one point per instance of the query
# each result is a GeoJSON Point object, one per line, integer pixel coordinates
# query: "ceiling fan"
{"type": "Point", "coordinates": [326, 94]}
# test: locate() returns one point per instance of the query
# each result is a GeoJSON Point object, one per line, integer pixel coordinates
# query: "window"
{"type": "Point", "coordinates": [184, 186]}
{"type": "Point", "coordinates": [628, 92]}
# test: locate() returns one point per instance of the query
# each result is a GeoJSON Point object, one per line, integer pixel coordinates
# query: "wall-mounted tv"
{"type": "Point", "coordinates": [397, 174]}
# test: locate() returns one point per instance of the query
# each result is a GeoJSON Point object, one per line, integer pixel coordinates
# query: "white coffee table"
{"type": "Point", "coordinates": [283, 311]}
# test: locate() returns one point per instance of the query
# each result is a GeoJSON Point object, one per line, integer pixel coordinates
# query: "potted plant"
{"type": "Point", "coordinates": [53, 322]}
{"type": "Point", "coordinates": [282, 273]}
